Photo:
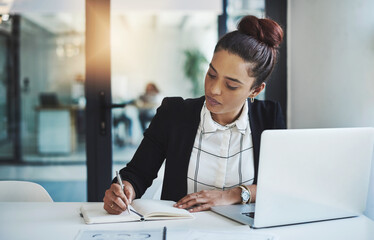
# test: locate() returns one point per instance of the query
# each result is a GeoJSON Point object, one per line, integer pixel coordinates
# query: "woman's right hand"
{"type": "Point", "coordinates": [116, 200]}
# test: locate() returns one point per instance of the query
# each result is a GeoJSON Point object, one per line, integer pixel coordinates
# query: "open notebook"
{"type": "Point", "coordinates": [142, 210]}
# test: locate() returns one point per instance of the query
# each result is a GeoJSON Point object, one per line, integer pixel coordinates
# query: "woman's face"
{"type": "Point", "coordinates": [227, 86]}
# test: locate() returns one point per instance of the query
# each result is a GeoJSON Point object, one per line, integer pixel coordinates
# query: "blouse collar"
{"type": "Point", "coordinates": [211, 126]}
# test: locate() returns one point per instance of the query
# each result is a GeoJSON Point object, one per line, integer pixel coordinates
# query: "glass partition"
{"type": "Point", "coordinates": [50, 86]}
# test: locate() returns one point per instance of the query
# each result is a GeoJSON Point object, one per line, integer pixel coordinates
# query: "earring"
{"type": "Point", "coordinates": [252, 99]}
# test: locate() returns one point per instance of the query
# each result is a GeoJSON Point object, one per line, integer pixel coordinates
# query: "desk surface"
{"type": "Point", "coordinates": [62, 221]}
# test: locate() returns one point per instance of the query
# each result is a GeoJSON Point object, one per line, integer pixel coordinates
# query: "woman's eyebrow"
{"type": "Point", "coordinates": [211, 66]}
{"type": "Point", "coordinates": [234, 80]}
{"type": "Point", "coordinates": [228, 78]}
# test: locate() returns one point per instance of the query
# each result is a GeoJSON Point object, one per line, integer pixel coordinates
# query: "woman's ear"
{"type": "Point", "coordinates": [254, 92]}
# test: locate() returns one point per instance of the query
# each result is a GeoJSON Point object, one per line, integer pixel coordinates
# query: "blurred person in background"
{"type": "Point", "coordinates": [147, 104]}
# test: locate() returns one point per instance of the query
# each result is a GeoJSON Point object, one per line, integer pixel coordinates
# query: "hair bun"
{"type": "Point", "coordinates": [263, 30]}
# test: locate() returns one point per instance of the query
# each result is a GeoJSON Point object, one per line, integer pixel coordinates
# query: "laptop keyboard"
{"type": "Point", "coordinates": [249, 214]}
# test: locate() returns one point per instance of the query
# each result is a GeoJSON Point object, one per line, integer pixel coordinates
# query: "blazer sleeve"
{"type": "Point", "coordinates": [263, 115]}
{"type": "Point", "coordinates": [266, 115]}
{"type": "Point", "coordinates": [151, 153]}
{"type": "Point", "coordinates": [279, 122]}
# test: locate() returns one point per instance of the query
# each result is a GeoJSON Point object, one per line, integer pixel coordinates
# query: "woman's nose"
{"type": "Point", "coordinates": [216, 88]}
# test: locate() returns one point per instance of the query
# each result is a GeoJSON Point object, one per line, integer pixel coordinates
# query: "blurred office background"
{"type": "Point", "coordinates": [42, 61]}
{"type": "Point", "coordinates": [326, 74]}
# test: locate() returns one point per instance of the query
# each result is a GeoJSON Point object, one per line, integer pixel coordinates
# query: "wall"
{"type": "Point", "coordinates": [331, 66]}
{"type": "Point", "coordinates": [331, 75]}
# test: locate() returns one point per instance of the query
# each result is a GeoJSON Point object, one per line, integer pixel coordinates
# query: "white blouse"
{"type": "Point", "coordinates": [222, 156]}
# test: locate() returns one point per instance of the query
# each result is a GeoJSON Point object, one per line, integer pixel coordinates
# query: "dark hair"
{"type": "Point", "coordinates": [256, 41]}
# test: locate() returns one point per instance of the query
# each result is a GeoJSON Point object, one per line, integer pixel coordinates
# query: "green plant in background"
{"type": "Point", "coordinates": [194, 69]}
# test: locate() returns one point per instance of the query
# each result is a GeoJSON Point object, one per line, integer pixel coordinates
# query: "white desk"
{"type": "Point", "coordinates": [44, 221]}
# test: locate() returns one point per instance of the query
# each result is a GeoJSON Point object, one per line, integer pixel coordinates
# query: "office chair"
{"type": "Point", "coordinates": [22, 191]}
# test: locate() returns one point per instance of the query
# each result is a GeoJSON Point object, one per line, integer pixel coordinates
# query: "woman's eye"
{"type": "Point", "coordinates": [230, 87]}
{"type": "Point", "coordinates": [211, 75]}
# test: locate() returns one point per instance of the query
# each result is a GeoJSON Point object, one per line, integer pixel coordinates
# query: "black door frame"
{"type": "Point", "coordinates": [13, 92]}
{"type": "Point", "coordinates": [98, 96]}
{"type": "Point", "coordinates": [15, 95]}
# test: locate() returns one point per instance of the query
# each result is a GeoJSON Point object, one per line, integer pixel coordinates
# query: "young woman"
{"type": "Point", "coordinates": [210, 144]}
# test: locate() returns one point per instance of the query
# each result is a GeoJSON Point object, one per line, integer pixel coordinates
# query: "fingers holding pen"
{"type": "Point", "coordinates": [112, 203]}
{"type": "Point", "coordinates": [128, 191]}
{"type": "Point", "coordinates": [115, 200]}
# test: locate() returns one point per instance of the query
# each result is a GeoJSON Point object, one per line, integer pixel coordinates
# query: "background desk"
{"type": "Point", "coordinates": [56, 130]}
{"type": "Point", "coordinates": [44, 221]}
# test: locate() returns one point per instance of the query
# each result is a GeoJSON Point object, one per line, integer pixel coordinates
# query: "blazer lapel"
{"type": "Point", "coordinates": [189, 128]}
{"type": "Point", "coordinates": [184, 138]}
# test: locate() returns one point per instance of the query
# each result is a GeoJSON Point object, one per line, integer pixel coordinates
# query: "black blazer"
{"type": "Point", "coordinates": [171, 136]}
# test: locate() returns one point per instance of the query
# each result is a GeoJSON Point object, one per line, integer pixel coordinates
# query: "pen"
{"type": "Point", "coordinates": [164, 233]}
{"type": "Point", "coordinates": [119, 180]}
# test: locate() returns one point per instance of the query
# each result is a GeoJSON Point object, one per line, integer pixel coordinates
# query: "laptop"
{"type": "Point", "coordinates": [48, 100]}
{"type": "Point", "coordinates": [308, 175]}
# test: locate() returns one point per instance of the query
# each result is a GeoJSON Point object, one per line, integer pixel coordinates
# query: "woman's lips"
{"type": "Point", "coordinates": [211, 101]}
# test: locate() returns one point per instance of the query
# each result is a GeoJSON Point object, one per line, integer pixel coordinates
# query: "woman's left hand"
{"type": "Point", "coordinates": [204, 200]}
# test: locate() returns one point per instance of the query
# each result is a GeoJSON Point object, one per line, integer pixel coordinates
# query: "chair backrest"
{"type": "Point", "coordinates": [22, 191]}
